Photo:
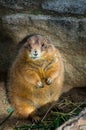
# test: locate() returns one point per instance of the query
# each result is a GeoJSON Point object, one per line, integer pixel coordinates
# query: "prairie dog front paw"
{"type": "Point", "coordinates": [49, 81]}
{"type": "Point", "coordinates": [39, 84]}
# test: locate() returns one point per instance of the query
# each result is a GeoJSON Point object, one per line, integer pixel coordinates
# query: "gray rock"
{"type": "Point", "coordinates": [66, 33]}
{"type": "Point", "coordinates": [19, 4]}
{"type": "Point", "coordinates": [75, 123]}
{"type": "Point", "coordinates": [65, 6]}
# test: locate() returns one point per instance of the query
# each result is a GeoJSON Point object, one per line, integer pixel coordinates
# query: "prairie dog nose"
{"type": "Point", "coordinates": [35, 52]}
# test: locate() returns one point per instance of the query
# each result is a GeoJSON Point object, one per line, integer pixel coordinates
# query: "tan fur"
{"type": "Point", "coordinates": [26, 94]}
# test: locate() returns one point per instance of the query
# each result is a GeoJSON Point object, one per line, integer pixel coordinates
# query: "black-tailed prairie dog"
{"type": "Point", "coordinates": [36, 76]}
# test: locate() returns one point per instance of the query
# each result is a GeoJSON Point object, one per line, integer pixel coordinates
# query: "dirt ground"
{"type": "Point", "coordinates": [76, 95]}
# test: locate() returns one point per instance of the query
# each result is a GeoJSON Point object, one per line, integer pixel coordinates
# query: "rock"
{"type": "Point", "coordinates": [20, 4]}
{"type": "Point", "coordinates": [67, 34]}
{"type": "Point", "coordinates": [76, 123]}
{"type": "Point", "coordinates": [65, 6]}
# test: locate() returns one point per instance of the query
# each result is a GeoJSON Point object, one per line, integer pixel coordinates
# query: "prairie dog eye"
{"type": "Point", "coordinates": [29, 47]}
{"type": "Point", "coordinates": [43, 44]}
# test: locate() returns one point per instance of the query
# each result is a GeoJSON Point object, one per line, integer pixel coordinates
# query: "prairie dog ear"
{"type": "Point", "coordinates": [50, 46]}
{"type": "Point", "coordinates": [26, 45]}
{"type": "Point", "coordinates": [46, 40]}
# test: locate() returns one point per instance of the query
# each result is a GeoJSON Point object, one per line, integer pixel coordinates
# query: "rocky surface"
{"type": "Point", "coordinates": [65, 6]}
{"type": "Point", "coordinates": [76, 123]}
{"type": "Point", "coordinates": [19, 4]}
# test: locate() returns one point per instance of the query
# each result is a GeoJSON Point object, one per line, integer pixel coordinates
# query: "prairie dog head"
{"type": "Point", "coordinates": [38, 46]}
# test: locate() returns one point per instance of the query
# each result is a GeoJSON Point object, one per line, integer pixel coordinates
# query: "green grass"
{"type": "Point", "coordinates": [58, 117]}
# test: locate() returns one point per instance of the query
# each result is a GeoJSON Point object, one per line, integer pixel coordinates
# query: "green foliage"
{"type": "Point", "coordinates": [58, 118]}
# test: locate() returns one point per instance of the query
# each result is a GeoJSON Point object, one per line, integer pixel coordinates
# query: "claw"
{"type": "Point", "coordinates": [39, 85]}
{"type": "Point", "coordinates": [49, 81]}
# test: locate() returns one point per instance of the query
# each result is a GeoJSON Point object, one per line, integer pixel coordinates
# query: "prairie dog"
{"type": "Point", "coordinates": [36, 76]}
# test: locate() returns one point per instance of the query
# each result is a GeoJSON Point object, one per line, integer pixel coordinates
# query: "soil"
{"type": "Point", "coordinates": [75, 95]}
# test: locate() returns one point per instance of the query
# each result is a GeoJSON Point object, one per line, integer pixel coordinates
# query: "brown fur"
{"type": "Point", "coordinates": [26, 92]}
